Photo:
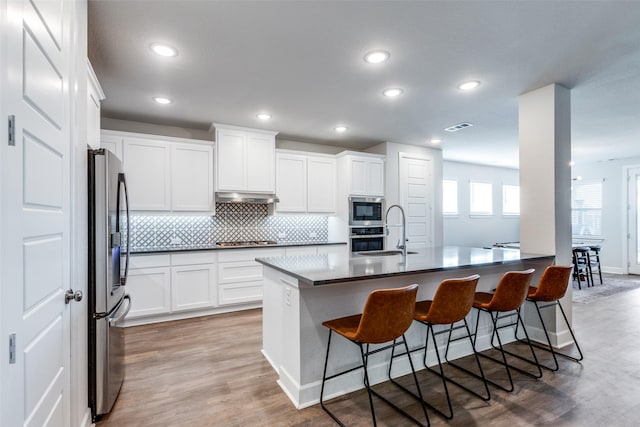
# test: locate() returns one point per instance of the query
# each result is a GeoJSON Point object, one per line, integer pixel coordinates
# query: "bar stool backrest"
{"type": "Point", "coordinates": [453, 300]}
{"type": "Point", "coordinates": [553, 283]}
{"type": "Point", "coordinates": [511, 291]}
{"type": "Point", "coordinates": [387, 315]}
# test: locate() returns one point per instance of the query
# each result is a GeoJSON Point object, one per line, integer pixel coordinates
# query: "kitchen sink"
{"type": "Point", "coordinates": [384, 253]}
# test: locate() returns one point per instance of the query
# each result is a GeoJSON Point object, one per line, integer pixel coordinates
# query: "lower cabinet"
{"type": "Point", "coordinates": [240, 276]}
{"type": "Point", "coordinates": [193, 281]}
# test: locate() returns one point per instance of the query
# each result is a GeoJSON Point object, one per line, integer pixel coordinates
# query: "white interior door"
{"type": "Point", "coordinates": [416, 197]}
{"type": "Point", "coordinates": [36, 208]}
{"type": "Point", "coordinates": [633, 221]}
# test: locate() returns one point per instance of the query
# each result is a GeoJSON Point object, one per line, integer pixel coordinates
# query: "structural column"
{"type": "Point", "coordinates": [545, 183]}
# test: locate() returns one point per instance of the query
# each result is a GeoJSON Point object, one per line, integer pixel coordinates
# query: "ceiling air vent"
{"type": "Point", "coordinates": [457, 127]}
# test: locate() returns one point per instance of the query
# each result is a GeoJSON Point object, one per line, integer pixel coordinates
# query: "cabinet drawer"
{"type": "Point", "coordinates": [248, 254]}
{"type": "Point", "coordinates": [149, 261]}
{"type": "Point", "coordinates": [192, 258]}
{"type": "Point", "coordinates": [236, 293]}
{"type": "Point", "coordinates": [241, 271]}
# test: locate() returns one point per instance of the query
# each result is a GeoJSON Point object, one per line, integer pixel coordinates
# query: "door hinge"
{"type": "Point", "coordinates": [11, 129]}
{"type": "Point", "coordinates": [12, 348]}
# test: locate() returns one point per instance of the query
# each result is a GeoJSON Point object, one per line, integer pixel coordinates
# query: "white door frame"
{"type": "Point", "coordinates": [628, 212]}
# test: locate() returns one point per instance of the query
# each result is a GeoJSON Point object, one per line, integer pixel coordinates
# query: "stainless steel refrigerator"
{"type": "Point", "coordinates": [109, 238]}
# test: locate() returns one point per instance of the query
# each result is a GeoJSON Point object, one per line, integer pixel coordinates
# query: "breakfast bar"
{"type": "Point", "coordinates": [301, 292]}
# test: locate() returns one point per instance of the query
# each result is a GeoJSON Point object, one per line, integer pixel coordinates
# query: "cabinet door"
{"type": "Point", "coordinates": [321, 185]}
{"type": "Point", "coordinates": [291, 182]}
{"type": "Point", "coordinates": [230, 160]}
{"type": "Point", "coordinates": [375, 177]}
{"type": "Point", "coordinates": [113, 144]}
{"type": "Point", "coordinates": [358, 169]}
{"type": "Point", "coordinates": [150, 290]}
{"type": "Point", "coordinates": [301, 250]}
{"type": "Point", "coordinates": [193, 286]}
{"type": "Point", "coordinates": [260, 163]}
{"type": "Point", "coordinates": [333, 249]}
{"type": "Point", "coordinates": [192, 177]}
{"type": "Point", "coordinates": [146, 166]}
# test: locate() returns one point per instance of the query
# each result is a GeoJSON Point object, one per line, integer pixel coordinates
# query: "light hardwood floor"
{"type": "Point", "coordinates": [209, 372]}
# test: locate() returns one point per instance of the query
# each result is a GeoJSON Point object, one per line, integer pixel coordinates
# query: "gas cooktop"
{"type": "Point", "coordinates": [247, 243]}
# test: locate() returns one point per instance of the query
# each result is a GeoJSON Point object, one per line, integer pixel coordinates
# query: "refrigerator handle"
{"type": "Point", "coordinates": [121, 180]}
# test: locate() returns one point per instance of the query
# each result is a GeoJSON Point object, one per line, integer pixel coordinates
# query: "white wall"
{"type": "Point", "coordinates": [153, 129]}
{"type": "Point", "coordinates": [613, 208]}
{"type": "Point", "coordinates": [464, 230]}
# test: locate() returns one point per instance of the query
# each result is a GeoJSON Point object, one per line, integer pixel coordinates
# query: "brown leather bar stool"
{"type": "Point", "coordinates": [451, 304]}
{"type": "Point", "coordinates": [504, 303]}
{"type": "Point", "coordinates": [550, 290]}
{"type": "Point", "coordinates": [387, 315]}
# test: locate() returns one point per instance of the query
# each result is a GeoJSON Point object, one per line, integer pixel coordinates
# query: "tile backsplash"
{"type": "Point", "coordinates": [233, 221]}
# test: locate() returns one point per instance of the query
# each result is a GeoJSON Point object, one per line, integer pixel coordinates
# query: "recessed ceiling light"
{"type": "Point", "coordinates": [162, 100]}
{"type": "Point", "coordinates": [391, 92]}
{"type": "Point", "coordinates": [163, 49]}
{"type": "Point", "coordinates": [376, 56]}
{"type": "Point", "coordinates": [340, 128]}
{"type": "Point", "coordinates": [263, 116]}
{"type": "Point", "coordinates": [436, 140]}
{"type": "Point", "coordinates": [469, 85]}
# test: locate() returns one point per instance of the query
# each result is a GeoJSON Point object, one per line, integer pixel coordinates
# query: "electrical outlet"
{"type": "Point", "coordinates": [175, 241]}
{"type": "Point", "coordinates": [312, 235]}
{"type": "Point", "coordinates": [287, 296]}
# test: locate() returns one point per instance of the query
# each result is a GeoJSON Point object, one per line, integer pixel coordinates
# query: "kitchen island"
{"type": "Point", "coordinates": [301, 292]}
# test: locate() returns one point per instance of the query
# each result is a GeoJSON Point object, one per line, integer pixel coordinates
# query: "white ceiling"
{"type": "Point", "coordinates": [302, 61]}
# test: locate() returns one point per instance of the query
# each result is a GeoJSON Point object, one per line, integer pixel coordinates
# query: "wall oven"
{"type": "Point", "coordinates": [366, 211]}
{"type": "Point", "coordinates": [364, 239]}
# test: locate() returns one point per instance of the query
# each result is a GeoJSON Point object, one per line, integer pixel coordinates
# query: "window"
{"type": "Point", "coordinates": [511, 200]}
{"type": "Point", "coordinates": [481, 200]}
{"type": "Point", "coordinates": [449, 197]}
{"type": "Point", "coordinates": [586, 208]}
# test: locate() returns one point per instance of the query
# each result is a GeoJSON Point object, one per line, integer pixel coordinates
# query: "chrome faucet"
{"type": "Point", "coordinates": [402, 246]}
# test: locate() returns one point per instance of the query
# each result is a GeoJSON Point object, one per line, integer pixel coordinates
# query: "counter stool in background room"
{"type": "Point", "coordinates": [551, 289]}
{"type": "Point", "coordinates": [581, 265]}
{"type": "Point", "coordinates": [387, 315]}
{"type": "Point", "coordinates": [594, 262]}
{"type": "Point", "coordinates": [504, 303]}
{"type": "Point", "coordinates": [451, 304]}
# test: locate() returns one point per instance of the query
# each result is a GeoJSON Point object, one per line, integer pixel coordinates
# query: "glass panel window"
{"type": "Point", "coordinates": [510, 200]}
{"type": "Point", "coordinates": [586, 208]}
{"type": "Point", "coordinates": [481, 198]}
{"type": "Point", "coordinates": [450, 197]}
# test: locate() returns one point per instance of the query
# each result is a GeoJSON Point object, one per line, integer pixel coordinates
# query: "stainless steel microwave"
{"type": "Point", "coordinates": [366, 211]}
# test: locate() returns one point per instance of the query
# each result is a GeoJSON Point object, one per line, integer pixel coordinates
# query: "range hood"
{"type": "Point", "coordinates": [229, 197]}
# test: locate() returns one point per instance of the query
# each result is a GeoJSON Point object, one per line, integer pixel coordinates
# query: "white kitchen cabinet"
{"type": "Point", "coordinates": [192, 177]}
{"type": "Point", "coordinates": [316, 250]}
{"type": "Point", "coordinates": [193, 281]}
{"type": "Point", "coordinates": [240, 276]}
{"type": "Point", "coordinates": [333, 249]}
{"type": "Point", "coordinates": [321, 184]}
{"type": "Point", "coordinates": [245, 159]}
{"type": "Point", "coordinates": [147, 166]}
{"type": "Point", "coordinates": [164, 173]}
{"type": "Point", "coordinates": [149, 285]}
{"type": "Point", "coordinates": [291, 182]}
{"type": "Point", "coordinates": [364, 174]}
{"type": "Point", "coordinates": [305, 183]}
{"type": "Point", "coordinates": [94, 96]}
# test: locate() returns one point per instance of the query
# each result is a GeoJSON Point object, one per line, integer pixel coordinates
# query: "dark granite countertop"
{"type": "Point", "coordinates": [214, 247]}
{"type": "Point", "coordinates": [335, 268]}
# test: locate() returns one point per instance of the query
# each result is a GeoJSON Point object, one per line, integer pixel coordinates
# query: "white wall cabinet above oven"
{"type": "Point", "coordinates": [165, 173]}
{"type": "Point", "coordinates": [245, 159]}
{"type": "Point", "coordinates": [362, 173]}
{"type": "Point", "coordinates": [305, 183]}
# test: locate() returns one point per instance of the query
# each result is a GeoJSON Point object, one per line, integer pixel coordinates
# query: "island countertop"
{"type": "Point", "coordinates": [326, 269]}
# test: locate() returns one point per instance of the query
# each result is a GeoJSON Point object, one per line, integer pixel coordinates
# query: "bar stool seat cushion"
{"type": "Point", "coordinates": [345, 326]}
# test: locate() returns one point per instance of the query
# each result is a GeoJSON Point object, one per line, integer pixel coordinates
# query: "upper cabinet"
{"type": "Point", "coordinates": [165, 173]}
{"type": "Point", "coordinates": [364, 174]}
{"type": "Point", "coordinates": [245, 159]}
{"type": "Point", "coordinates": [305, 183]}
{"type": "Point", "coordinates": [94, 97]}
